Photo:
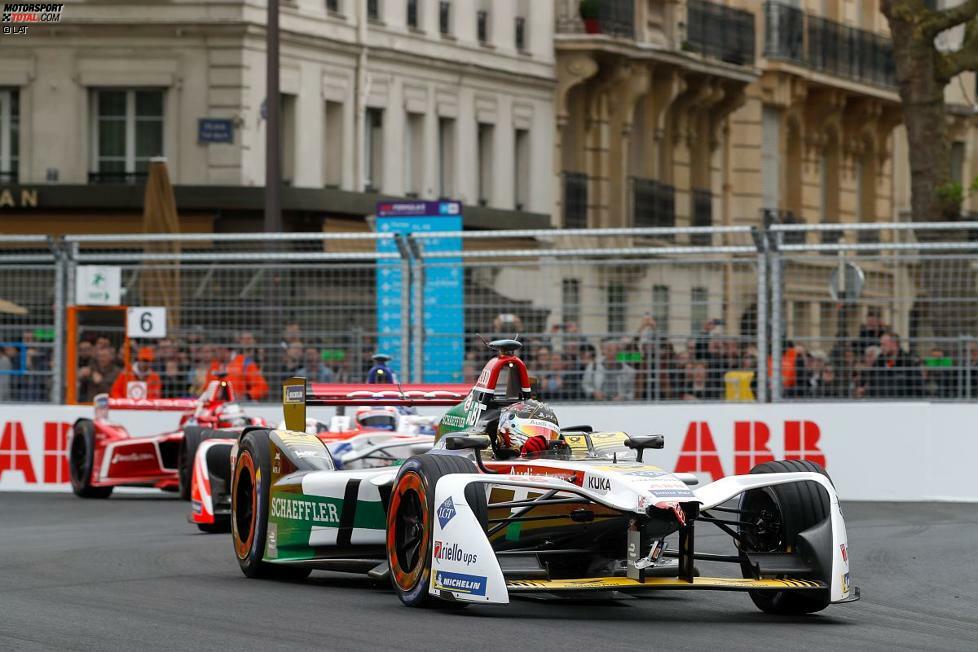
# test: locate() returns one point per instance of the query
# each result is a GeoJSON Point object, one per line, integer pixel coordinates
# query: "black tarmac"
{"type": "Point", "coordinates": [129, 573]}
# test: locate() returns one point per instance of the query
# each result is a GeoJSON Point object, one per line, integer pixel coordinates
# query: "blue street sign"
{"type": "Point", "coordinates": [215, 130]}
{"type": "Point", "coordinates": [444, 299]}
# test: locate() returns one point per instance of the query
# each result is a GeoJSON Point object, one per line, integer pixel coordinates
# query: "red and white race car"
{"type": "Point", "coordinates": [377, 435]}
{"type": "Point", "coordinates": [103, 455]}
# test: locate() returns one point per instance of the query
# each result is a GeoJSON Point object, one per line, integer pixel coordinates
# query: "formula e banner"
{"type": "Point", "coordinates": [443, 306]}
{"type": "Point", "coordinates": [872, 451]}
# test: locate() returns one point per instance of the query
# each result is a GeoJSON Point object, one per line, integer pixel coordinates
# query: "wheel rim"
{"type": "Point", "coordinates": [79, 457]}
{"type": "Point", "coordinates": [407, 539]}
{"type": "Point", "coordinates": [245, 503]}
{"type": "Point", "coordinates": [766, 532]}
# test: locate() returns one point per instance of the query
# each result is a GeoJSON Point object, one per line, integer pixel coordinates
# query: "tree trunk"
{"type": "Point", "coordinates": [945, 296]}
{"type": "Point", "coordinates": [922, 95]}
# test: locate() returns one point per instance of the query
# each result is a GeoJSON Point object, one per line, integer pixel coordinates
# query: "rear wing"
{"type": "Point", "coordinates": [102, 404]}
{"type": "Point", "coordinates": [295, 397]}
{"type": "Point", "coordinates": [161, 404]}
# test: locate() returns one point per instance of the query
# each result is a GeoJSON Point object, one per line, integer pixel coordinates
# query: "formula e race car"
{"type": "Point", "coordinates": [377, 436]}
{"type": "Point", "coordinates": [582, 513]}
{"type": "Point", "coordinates": [103, 455]}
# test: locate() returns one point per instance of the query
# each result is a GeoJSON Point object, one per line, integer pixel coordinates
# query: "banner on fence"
{"type": "Point", "coordinates": [881, 451]}
{"type": "Point", "coordinates": [443, 302]}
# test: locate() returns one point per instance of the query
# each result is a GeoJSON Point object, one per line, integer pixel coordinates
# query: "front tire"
{"type": "Point", "coordinates": [81, 457]}
{"type": "Point", "coordinates": [221, 525]}
{"type": "Point", "coordinates": [779, 514]}
{"type": "Point", "coordinates": [192, 438]}
{"type": "Point", "coordinates": [410, 524]}
{"type": "Point", "coordinates": [250, 491]}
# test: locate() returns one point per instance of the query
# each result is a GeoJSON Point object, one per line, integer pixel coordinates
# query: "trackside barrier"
{"type": "Point", "coordinates": [873, 451]}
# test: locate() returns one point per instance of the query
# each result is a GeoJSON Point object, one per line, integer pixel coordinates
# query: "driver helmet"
{"type": "Point", "coordinates": [377, 418]}
{"type": "Point", "coordinates": [525, 428]}
{"type": "Point", "coordinates": [232, 415]}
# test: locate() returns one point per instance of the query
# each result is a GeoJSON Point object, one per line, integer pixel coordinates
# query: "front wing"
{"type": "Point", "coordinates": [475, 575]}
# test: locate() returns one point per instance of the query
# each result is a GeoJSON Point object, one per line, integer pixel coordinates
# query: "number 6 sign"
{"type": "Point", "coordinates": [143, 322]}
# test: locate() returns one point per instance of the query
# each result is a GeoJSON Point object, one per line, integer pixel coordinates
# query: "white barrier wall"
{"type": "Point", "coordinates": [873, 451]}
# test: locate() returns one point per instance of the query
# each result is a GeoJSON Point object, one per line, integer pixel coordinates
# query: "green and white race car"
{"type": "Point", "coordinates": [588, 514]}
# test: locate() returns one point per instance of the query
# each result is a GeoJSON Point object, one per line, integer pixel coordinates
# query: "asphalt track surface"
{"type": "Point", "coordinates": [130, 574]}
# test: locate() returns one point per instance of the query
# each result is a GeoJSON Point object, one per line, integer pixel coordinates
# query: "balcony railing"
{"type": "Point", "coordinates": [720, 32]}
{"type": "Point", "coordinates": [827, 46]}
{"type": "Point", "coordinates": [702, 216]}
{"type": "Point", "coordinates": [117, 177]}
{"type": "Point", "coordinates": [575, 200]}
{"type": "Point", "coordinates": [653, 203]}
{"type": "Point", "coordinates": [612, 18]}
{"type": "Point", "coordinates": [784, 32]}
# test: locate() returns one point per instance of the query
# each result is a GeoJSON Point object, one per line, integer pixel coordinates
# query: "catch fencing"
{"type": "Point", "coordinates": [737, 313]}
{"type": "Point", "coordinates": [289, 304]}
{"type": "Point", "coordinates": [902, 320]}
{"type": "Point", "coordinates": [606, 314]}
{"type": "Point", "coordinates": [31, 274]}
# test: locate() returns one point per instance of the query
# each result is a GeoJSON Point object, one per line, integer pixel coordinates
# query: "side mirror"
{"type": "Point", "coordinates": [461, 443]}
{"type": "Point", "coordinates": [475, 443]}
{"type": "Point", "coordinates": [639, 444]}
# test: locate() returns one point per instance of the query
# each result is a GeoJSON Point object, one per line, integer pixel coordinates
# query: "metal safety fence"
{"type": "Point", "coordinates": [256, 307]}
{"type": "Point", "coordinates": [30, 277]}
{"type": "Point", "coordinates": [875, 311]}
{"type": "Point", "coordinates": [604, 314]}
{"type": "Point", "coordinates": [789, 312]}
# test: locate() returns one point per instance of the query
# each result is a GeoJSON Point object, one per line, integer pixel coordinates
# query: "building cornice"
{"type": "Point", "coordinates": [771, 67]}
{"type": "Point", "coordinates": [327, 201]}
{"type": "Point", "coordinates": [255, 35]}
{"type": "Point", "coordinates": [653, 53]}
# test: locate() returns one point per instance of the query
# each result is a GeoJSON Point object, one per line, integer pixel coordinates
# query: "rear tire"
{"type": "Point", "coordinates": [783, 511]}
{"type": "Point", "coordinates": [81, 457]}
{"type": "Point", "coordinates": [250, 491]}
{"type": "Point", "coordinates": [409, 524]}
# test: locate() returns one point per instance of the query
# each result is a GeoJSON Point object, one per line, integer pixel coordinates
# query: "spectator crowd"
{"type": "Point", "coordinates": [645, 365]}
{"type": "Point", "coordinates": [25, 369]}
{"type": "Point", "coordinates": [171, 370]}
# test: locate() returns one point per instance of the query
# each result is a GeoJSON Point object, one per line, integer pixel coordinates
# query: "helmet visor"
{"type": "Point", "coordinates": [528, 430]}
{"type": "Point", "coordinates": [379, 421]}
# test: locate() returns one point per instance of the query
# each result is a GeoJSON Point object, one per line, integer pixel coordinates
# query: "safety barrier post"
{"type": "Point", "coordinates": [60, 304]}
{"type": "Point", "coordinates": [407, 269]}
{"type": "Point", "coordinates": [777, 316]}
{"type": "Point", "coordinates": [416, 309]}
{"type": "Point", "coordinates": [763, 257]}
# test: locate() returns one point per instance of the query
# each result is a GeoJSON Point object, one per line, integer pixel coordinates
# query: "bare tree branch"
{"type": "Point", "coordinates": [965, 58]}
{"type": "Point", "coordinates": [944, 19]}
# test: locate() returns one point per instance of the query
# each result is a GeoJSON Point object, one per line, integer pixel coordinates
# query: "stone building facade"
{"type": "Point", "coordinates": [380, 98]}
